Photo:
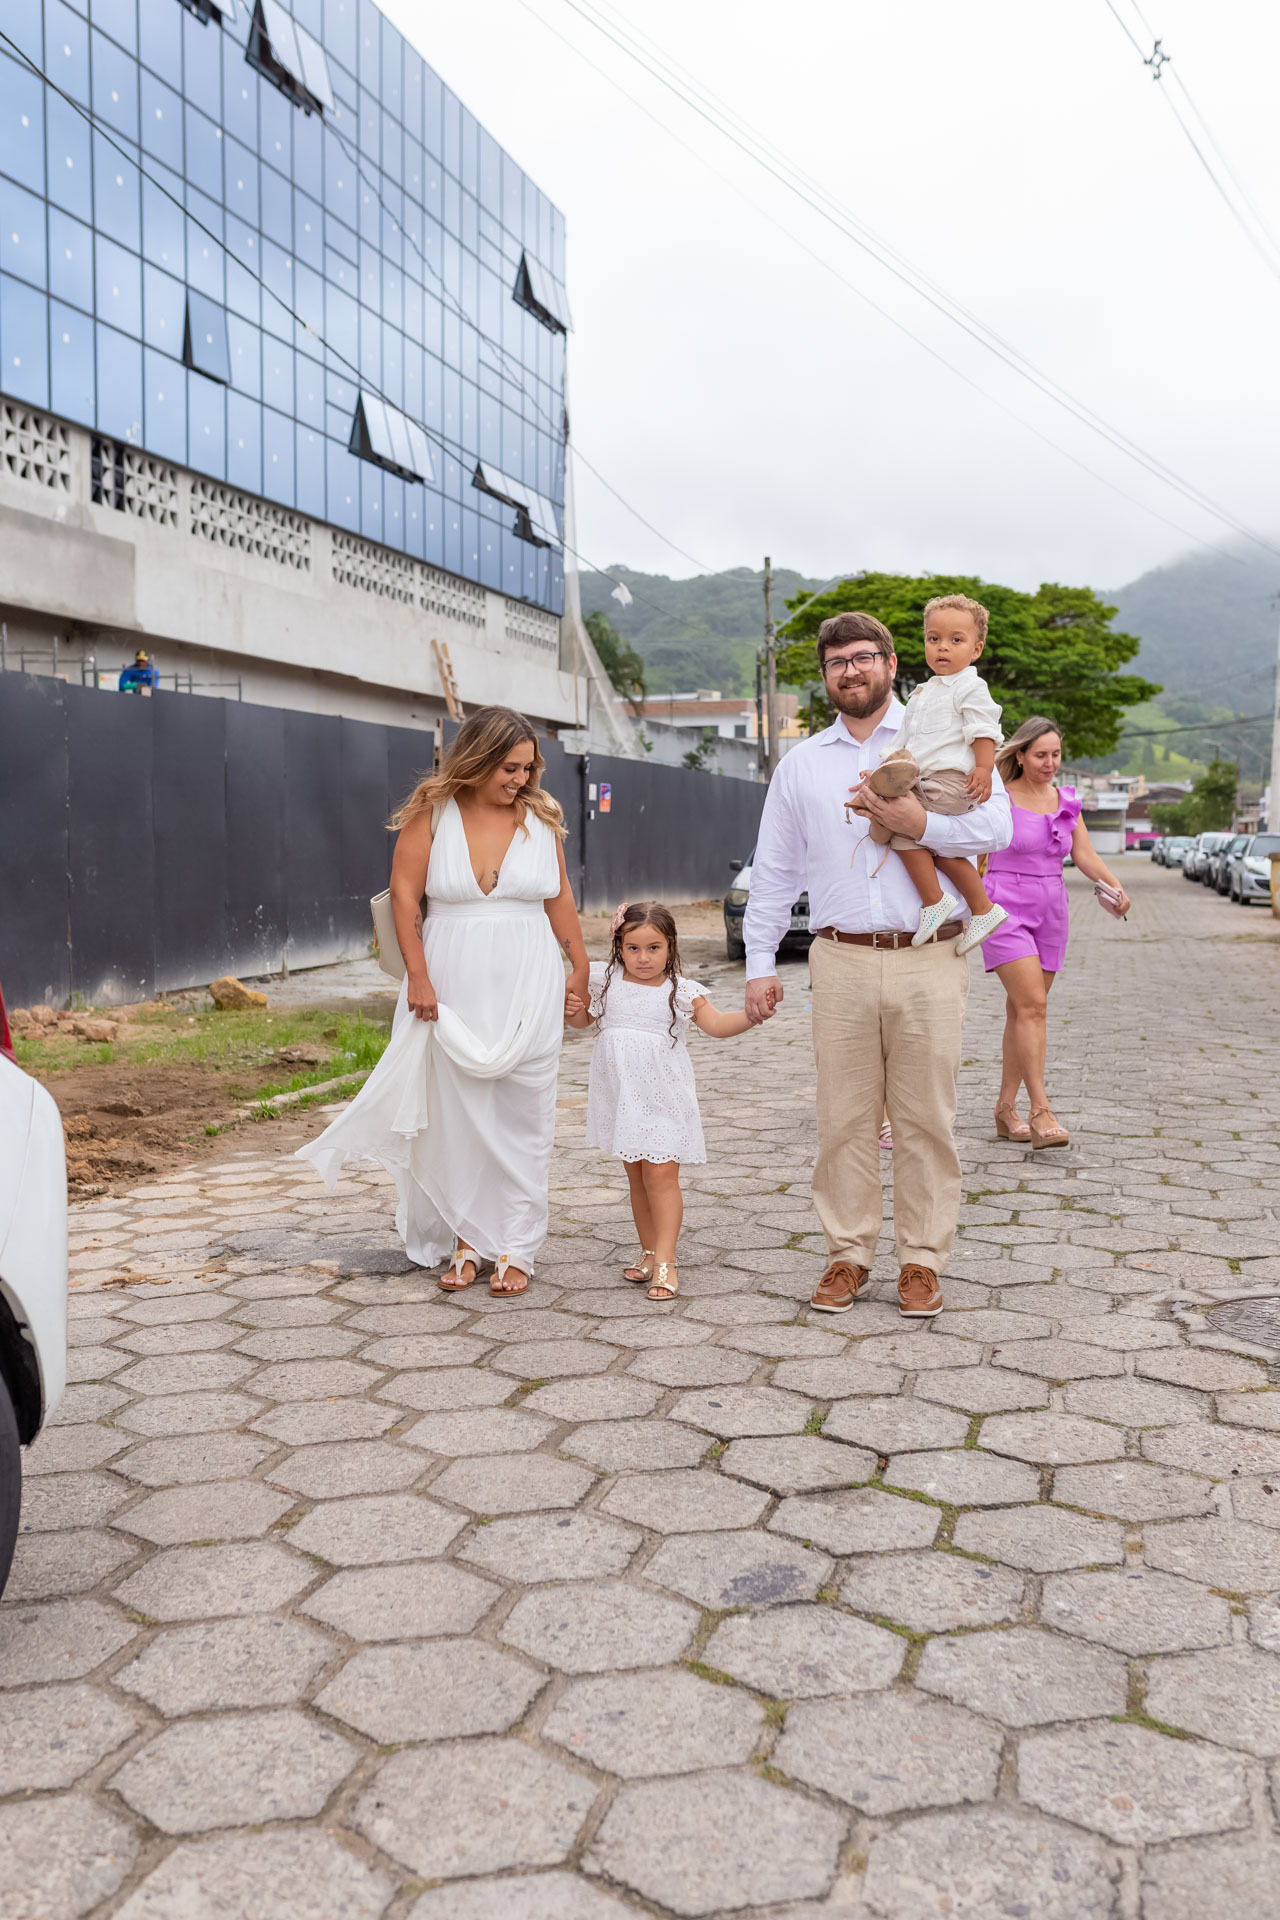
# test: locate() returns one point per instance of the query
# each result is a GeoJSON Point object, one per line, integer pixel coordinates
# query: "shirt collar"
{"type": "Point", "coordinates": [838, 731]}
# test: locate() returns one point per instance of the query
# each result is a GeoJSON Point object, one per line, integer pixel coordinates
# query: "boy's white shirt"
{"type": "Point", "coordinates": [944, 717]}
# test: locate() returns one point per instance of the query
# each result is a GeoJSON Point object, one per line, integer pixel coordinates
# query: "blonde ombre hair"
{"type": "Point", "coordinates": [483, 742]}
{"type": "Point", "coordinates": [961, 603]}
{"type": "Point", "coordinates": [1009, 758]}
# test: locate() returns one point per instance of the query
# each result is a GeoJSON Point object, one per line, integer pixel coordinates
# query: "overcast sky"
{"type": "Point", "coordinates": [745, 401]}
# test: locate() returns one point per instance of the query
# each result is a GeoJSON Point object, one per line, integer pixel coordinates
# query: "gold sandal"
{"type": "Point", "coordinates": [1012, 1128]}
{"type": "Point", "coordinates": [665, 1285]}
{"type": "Point", "coordinates": [638, 1272]}
{"type": "Point", "coordinates": [462, 1257]}
{"type": "Point", "coordinates": [1050, 1136]}
{"type": "Point", "coordinates": [497, 1279]}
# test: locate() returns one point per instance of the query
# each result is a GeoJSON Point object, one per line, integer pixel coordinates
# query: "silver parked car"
{"type": "Point", "coordinates": [1249, 870]}
{"type": "Point", "coordinates": [1171, 851]}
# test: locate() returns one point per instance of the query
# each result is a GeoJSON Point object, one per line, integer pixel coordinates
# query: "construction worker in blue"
{"type": "Point", "coordinates": [142, 676]}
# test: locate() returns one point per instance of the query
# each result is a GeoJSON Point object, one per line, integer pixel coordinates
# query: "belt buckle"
{"type": "Point", "coordinates": [890, 939]}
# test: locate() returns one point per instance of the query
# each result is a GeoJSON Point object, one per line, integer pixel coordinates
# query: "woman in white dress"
{"type": "Point", "coordinates": [461, 1107]}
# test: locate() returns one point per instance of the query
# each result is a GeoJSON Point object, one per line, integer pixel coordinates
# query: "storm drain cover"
{"type": "Point", "coordinates": [1256, 1320]}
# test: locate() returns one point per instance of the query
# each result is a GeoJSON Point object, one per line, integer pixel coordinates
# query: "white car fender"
{"type": "Point", "coordinates": [33, 1223]}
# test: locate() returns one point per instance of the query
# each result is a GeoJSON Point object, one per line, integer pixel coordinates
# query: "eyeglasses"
{"type": "Point", "coordinates": [841, 663]}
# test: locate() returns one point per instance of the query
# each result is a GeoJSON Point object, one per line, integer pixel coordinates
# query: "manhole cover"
{"type": "Point", "coordinates": [1256, 1320]}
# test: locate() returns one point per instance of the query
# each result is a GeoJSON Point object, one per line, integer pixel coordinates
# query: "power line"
{"type": "Point", "coordinates": [578, 453]}
{"type": "Point", "coordinates": [758, 149]}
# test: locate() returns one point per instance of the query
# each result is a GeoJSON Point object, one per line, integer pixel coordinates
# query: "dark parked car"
{"type": "Point", "coordinates": [796, 940]}
{"type": "Point", "coordinates": [1249, 870]}
{"type": "Point", "coordinates": [1216, 871]}
{"type": "Point", "coordinates": [1204, 844]}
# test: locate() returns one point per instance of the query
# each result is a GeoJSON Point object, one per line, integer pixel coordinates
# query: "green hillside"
{"type": "Point", "coordinates": [694, 633]}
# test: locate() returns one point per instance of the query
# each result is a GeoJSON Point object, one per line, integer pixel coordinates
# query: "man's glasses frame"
{"type": "Point", "coordinates": [839, 663]}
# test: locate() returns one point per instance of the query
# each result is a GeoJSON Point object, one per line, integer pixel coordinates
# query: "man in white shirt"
{"type": "Point", "coordinates": [887, 1016]}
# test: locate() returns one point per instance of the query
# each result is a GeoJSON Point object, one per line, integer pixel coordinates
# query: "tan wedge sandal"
{"type": "Point", "coordinates": [1008, 1125]}
{"type": "Point", "coordinates": [666, 1281]}
{"type": "Point", "coordinates": [461, 1257]}
{"type": "Point", "coordinates": [638, 1272]}
{"type": "Point", "coordinates": [1051, 1136]}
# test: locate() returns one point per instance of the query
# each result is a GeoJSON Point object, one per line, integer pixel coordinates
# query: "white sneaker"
{"type": "Point", "coordinates": [931, 918]}
{"type": "Point", "coordinates": [980, 927]}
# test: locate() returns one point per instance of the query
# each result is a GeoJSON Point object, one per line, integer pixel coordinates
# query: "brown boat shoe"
{"type": "Point", "coordinates": [839, 1287]}
{"type": "Point", "coordinates": [919, 1295]}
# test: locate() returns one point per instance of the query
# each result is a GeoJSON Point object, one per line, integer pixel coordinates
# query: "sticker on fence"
{"type": "Point", "coordinates": [606, 797]}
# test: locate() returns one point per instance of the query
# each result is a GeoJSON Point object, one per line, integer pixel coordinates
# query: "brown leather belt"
{"type": "Point", "coordinates": [951, 930]}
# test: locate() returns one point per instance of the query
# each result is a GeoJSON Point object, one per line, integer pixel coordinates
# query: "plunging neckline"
{"type": "Point", "coordinates": [471, 863]}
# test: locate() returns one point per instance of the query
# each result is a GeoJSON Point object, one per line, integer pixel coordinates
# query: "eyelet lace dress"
{"type": "Point", "coordinates": [642, 1103]}
{"type": "Point", "coordinates": [461, 1110]}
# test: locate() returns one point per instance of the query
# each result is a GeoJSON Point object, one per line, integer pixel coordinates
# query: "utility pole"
{"type": "Point", "coordinates": [770, 675]}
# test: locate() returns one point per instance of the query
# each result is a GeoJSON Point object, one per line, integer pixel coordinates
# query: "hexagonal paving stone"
{"type": "Point", "coordinates": [1202, 1367]}
{"type": "Point", "coordinates": [860, 1521]}
{"type": "Point", "coordinates": [337, 1467]}
{"type": "Point", "coordinates": [553, 1359]}
{"type": "Point", "coordinates": [1135, 1403]}
{"type": "Point", "coordinates": [1232, 1879]}
{"type": "Point", "coordinates": [964, 1477]}
{"type": "Point", "coordinates": [439, 1389]}
{"type": "Point", "coordinates": [685, 1500]}
{"type": "Point", "coordinates": [376, 1528]}
{"type": "Point", "coordinates": [196, 1583]}
{"type": "Point", "coordinates": [540, 1896]}
{"type": "Point", "coordinates": [52, 1501]}
{"type": "Point", "coordinates": [768, 1844]}
{"type": "Point", "coordinates": [1051, 1439]}
{"type": "Point", "coordinates": [307, 1423]}
{"type": "Point", "coordinates": [474, 1806]}
{"type": "Point", "coordinates": [1264, 1622]}
{"type": "Point", "coordinates": [299, 1343]}
{"type": "Point", "coordinates": [837, 1379]}
{"type": "Point", "coordinates": [64, 1855]}
{"type": "Point", "coordinates": [654, 1723]}
{"type": "Point", "coordinates": [220, 1510]}
{"type": "Point", "coordinates": [438, 1691]}
{"type": "Point", "coordinates": [1257, 1501]}
{"type": "Point", "coordinates": [259, 1662]}
{"type": "Point", "coordinates": [732, 1412]}
{"type": "Point", "coordinates": [405, 1602]}
{"type": "Point", "coordinates": [616, 1398]}
{"type": "Point", "coordinates": [300, 1874]}
{"type": "Point", "coordinates": [236, 1769]}
{"type": "Point", "coordinates": [1251, 1410]}
{"type": "Point", "coordinates": [518, 1483]}
{"type": "Point", "coordinates": [885, 1754]}
{"type": "Point", "coordinates": [62, 1640]}
{"type": "Point", "coordinates": [993, 1861]}
{"type": "Point", "coordinates": [313, 1379]}
{"type": "Point", "coordinates": [920, 1349]}
{"type": "Point", "coordinates": [1202, 1447]}
{"type": "Point", "coordinates": [738, 1569]}
{"type": "Point", "coordinates": [930, 1592]}
{"type": "Point", "coordinates": [478, 1430]}
{"type": "Point", "coordinates": [1133, 1490]}
{"type": "Point", "coordinates": [297, 1311]}
{"type": "Point", "coordinates": [784, 1343]}
{"type": "Point", "coordinates": [66, 1449]}
{"type": "Point", "coordinates": [178, 1413]}
{"type": "Point", "coordinates": [797, 1463]}
{"type": "Point", "coordinates": [694, 1366]}
{"type": "Point", "coordinates": [895, 1426]}
{"type": "Point", "coordinates": [165, 1309]}
{"type": "Point", "coordinates": [1136, 1611]}
{"type": "Point", "coordinates": [1230, 1696]}
{"type": "Point", "coordinates": [616, 1445]}
{"type": "Point", "coordinates": [49, 1736]}
{"type": "Point", "coordinates": [803, 1652]}
{"type": "Point", "coordinates": [45, 1564]}
{"type": "Point", "coordinates": [185, 1373]}
{"type": "Point", "coordinates": [1135, 1786]}
{"type": "Point", "coordinates": [591, 1627]}
{"type": "Point", "coordinates": [1221, 1553]}
{"type": "Point", "coordinates": [1024, 1677]}
{"type": "Point", "coordinates": [201, 1456]}
{"type": "Point", "coordinates": [552, 1546]}
{"type": "Point", "coordinates": [1041, 1539]}
{"type": "Point", "coordinates": [983, 1389]}
{"type": "Point", "coordinates": [1057, 1359]}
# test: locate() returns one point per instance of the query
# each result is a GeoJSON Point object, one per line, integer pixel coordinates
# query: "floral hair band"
{"type": "Point", "coordinates": [618, 918]}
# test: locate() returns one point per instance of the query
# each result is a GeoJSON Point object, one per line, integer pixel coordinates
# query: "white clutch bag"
{"type": "Point", "coordinates": [390, 958]}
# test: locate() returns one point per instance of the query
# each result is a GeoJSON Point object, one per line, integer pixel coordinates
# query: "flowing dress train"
{"type": "Point", "coordinates": [461, 1110]}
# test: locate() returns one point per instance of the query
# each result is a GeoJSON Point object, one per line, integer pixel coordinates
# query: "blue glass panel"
{"type": "Point", "coordinates": [342, 488]}
{"type": "Point", "coordinates": [119, 18]}
{"type": "Point", "coordinates": [414, 522]}
{"type": "Point", "coordinates": [206, 349]}
{"type": "Point", "coordinates": [22, 240]}
{"type": "Point", "coordinates": [412, 91]}
{"type": "Point", "coordinates": [471, 543]}
{"type": "Point", "coordinates": [340, 32]}
{"type": "Point", "coordinates": [115, 87]}
{"type": "Point", "coordinates": [371, 479]}
{"type": "Point", "coordinates": [511, 571]}
{"type": "Point", "coordinates": [370, 277]}
{"type": "Point", "coordinates": [310, 471]}
{"type": "Point", "coordinates": [309, 388]}
{"type": "Point", "coordinates": [119, 385]}
{"type": "Point", "coordinates": [392, 293]}
{"type": "Point", "coordinates": [25, 27]}
{"type": "Point", "coordinates": [24, 342]}
{"type": "Point", "coordinates": [244, 259]}
{"type": "Point", "coordinates": [239, 93]}
{"type": "Point", "coordinates": [468, 136]}
{"type": "Point", "coordinates": [393, 498]}
{"type": "Point", "coordinates": [67, 153]}
{"type": "Point", "coordinates": [370, 349]}
{"type": "Point", "coordinates": [490, 173]}
{"type": "Point", "coordinates": [117, 194]}
{"type": "Point", "coordinates": [66, 44]}
{"type": "Point", "coordinates": [21, 124]}
{"type": "Point", "coordinates": [277, 457]}
{"type": "Point", "coordinates": [241, 173]}
{"type": "Point", "coordinates": [207, 426]}
{"type": "Point", "coordinates": [277, 373]}
{"type": "Point", "coordinates": [161, 121]}
{"type": "Point", "coordinates": [433, 512]}
{"type": "Point", "coordinates": [276, 268]}
{"type": "Point", "coordinates": [70, 260]}
{"type": "Point", "coordinates": [164, 402]}
{"type": "Point", "coordinates": [370, 210]}
{"type": "Point", "coordinates": [201, 67]}
{"type": "Point", "coordinates": [370, 129]}
{"type": "Point", "coordinates": [342, 324]}
{"type": "Point", "coordinates": [204, 153]}
{"type": "Point", "coordinates": [489, 546]}
{"type": "Point", "coordinates": [245, 345]}
{"type": "Point", "coordinates": [392, 70]}
{"type": "Point", "coordinates": [452, 542]}
{"type": "Point", "coordinates": [71, 364]}
{"type": "Point", "coordinates": [118, 286]}
{"type": "Point", "coordinates": [244, 442]}
{"type": "Point", "coordinates": [433, 187]}
{"type": "Point", "coordinates": [308, 302]}
{"type": "Point", "coordinates": [164, 308]}
{"type": "Point", "coordinates": [369, 65]}
{"type": "Point", "coordinates": [308, 153]}
{"type": "Point", "coordinates": [413, 170]}
{"type": "Point", "coordinates": [160, 39]}
{"type": "Point", "coordinates": [432, 113]}
{"type": "Point", "coordinates": [204, 259]}
{"type": "Point", "coordinates": [277, 208]}
{"type": "Point", "coordinates": [393, 364]}
{"type": "Point", "coordinates": [341, 184]}
{"type": "Point", "coordinates": [275, 142]}
{"type": "Point", "coordinates": [451, 152]}
{"type": "Point", "coordinates": [163, 227]}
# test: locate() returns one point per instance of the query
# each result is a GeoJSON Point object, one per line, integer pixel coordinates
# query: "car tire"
{"type": "Point", "coordinates": [10, 1481]}
{"type": "Point", "coordinates": [734, 949]}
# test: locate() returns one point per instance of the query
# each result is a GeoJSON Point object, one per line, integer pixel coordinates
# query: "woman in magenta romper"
{"type": "Point", "coordinates": [1029, 949]}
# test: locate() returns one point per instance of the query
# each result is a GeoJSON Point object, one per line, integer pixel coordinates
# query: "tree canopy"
{"type": "Point", "coordinates": [620, 660]}
{"type": "Point", "coordinates": [1051, 652]}
{"type": "Point", "coordinates": [1208, 808]}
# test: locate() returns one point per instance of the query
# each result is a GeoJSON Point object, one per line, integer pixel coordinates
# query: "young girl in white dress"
{"type": "Point", "coordinates": [642, 1104]}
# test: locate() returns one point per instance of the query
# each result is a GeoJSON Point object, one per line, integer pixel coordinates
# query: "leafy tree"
{"type": "Point", "coordinates": [1051, 652]}
{"type": "Point", "coordinates": [1208, 808]}
{"type": "Point", "coordinates": [620, 661]}
{"type": "Point", "coordinates": [701, 755]}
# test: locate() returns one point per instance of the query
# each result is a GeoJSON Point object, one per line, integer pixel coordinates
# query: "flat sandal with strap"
{"type": "Point", "coordinates": [460, 1258]}
{"type": "Point", "coordinates": [638, 1271]}
{"type": "Point", "coordinates": [497, 1278]}
{"type": "Point", "coordinates": [666, 1283]}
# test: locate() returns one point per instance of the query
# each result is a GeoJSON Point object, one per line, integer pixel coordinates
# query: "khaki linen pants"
{"type": "Point", "coordinates": [886, 1032]}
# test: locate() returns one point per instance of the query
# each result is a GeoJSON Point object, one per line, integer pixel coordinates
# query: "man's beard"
{"type": "Point", "coordinates": [859, 701]}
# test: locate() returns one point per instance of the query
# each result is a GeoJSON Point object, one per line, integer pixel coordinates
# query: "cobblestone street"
{"type": "Point", "coordinates": [337, 1598]}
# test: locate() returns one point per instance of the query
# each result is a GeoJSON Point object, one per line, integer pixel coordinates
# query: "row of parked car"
{"type": "Point", "coordinates": [1236, 864]}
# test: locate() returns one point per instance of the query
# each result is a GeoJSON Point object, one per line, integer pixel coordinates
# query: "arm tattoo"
{"type": "Point", "coordinates": [417, 924]}
{"type": "Point", "coordinates": [568, 947]}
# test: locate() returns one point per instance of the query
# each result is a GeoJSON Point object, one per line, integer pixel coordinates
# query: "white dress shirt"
{"type": "Point", "coordinates": [806, 841]}
{"type": "Point", "coordinates": [943, 718]}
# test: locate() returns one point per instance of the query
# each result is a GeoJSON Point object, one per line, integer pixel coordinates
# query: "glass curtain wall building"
{"type": "Point", "coordinates": [282, 254]}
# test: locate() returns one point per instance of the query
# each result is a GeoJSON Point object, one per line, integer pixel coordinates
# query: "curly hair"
{"type": "Point", "coordinates": [647, 913]}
